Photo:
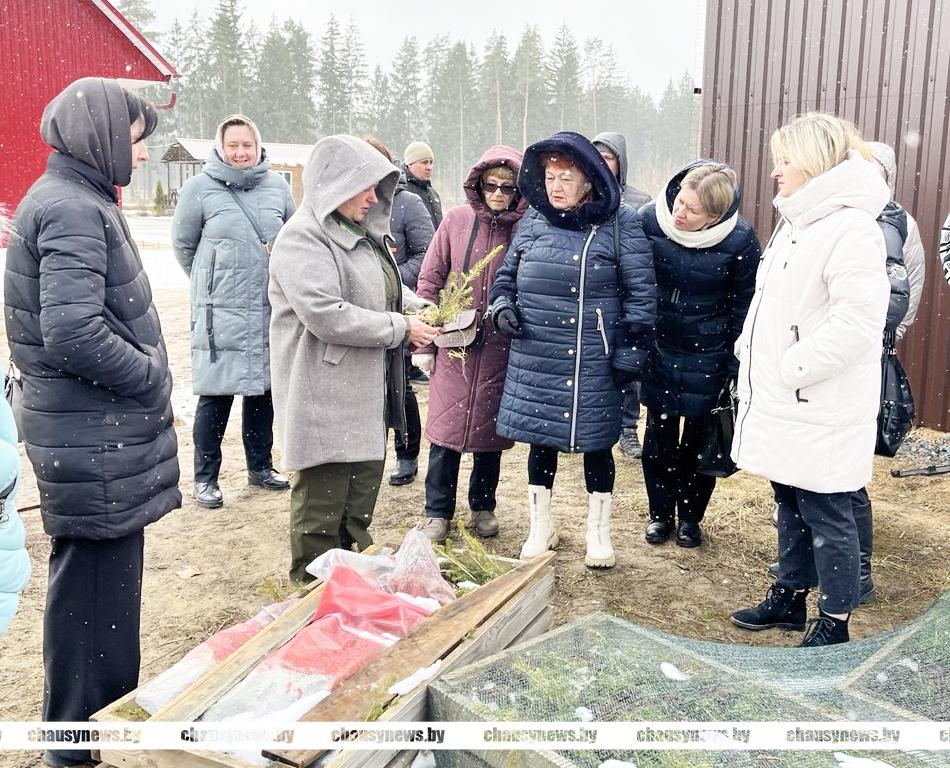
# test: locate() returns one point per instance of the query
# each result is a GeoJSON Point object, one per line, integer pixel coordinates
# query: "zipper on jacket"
{"type": "Point", "coordinates": [798, 392]}
{"type": "Point", "coordinates": [209, 311]}
{"type": "Point", "coordinates": [580, 335]}
{"type": "Point", "coordinates": [211, 273]}
{"type": "Point", "coordinates": [755, 317]}
{"type": "Point", "coordinates": [4, 495]}
{"type": "Point", "coordinates": [602, 329]}
{"type": "Point", "coordinates": [676, 296]}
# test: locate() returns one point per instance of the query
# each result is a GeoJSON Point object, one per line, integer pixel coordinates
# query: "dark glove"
{"type": "Point", "coordinates": [623, 378]}
{"type": "Point", "coordinates": [506, 321]}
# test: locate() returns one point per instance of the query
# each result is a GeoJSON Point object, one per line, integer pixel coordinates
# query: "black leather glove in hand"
{"type": "Point", "coordinates": [506, 321]}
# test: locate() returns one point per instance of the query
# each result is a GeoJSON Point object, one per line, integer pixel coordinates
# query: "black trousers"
{"type": "Point", "coordinates": [669, 469]}
{"type": "Point", "coordinates": [599, 470]}
{"type": "Point", "coordinates": [211, 420]}
{"type": "Point", "coordinates": [407, 446]}
{"type": "Point", "coordinates": [442, 480]}
{"type": "Point", "coordinates": [818, 545]}
{"type": "Point", "coordinates": [91, 628]}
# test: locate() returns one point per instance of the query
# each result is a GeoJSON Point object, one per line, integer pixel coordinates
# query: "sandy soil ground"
{"type": "Point", "coordinates": [206, 569]}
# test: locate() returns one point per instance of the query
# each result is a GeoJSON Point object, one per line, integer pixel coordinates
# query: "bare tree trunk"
{"type": "Point", "coordinates": [524, 117]}
{"type": "Point", "coordinates": [497, 108]}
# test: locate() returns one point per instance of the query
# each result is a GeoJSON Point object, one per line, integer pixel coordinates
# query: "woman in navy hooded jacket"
{"type": "Point", "coordinates": [706, 256]}
{"type": "Point", "coordinates": [576, 293]}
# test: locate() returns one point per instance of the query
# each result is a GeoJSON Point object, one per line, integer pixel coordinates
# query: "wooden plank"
{"type": "Point", "coordinates": [538, 626]}
{"type": "Point", "coordinates": [174, 758]}
{"type": "Point", "coordinates": [431, 640]}
{"type": "Point", "coordinates": [191, 703]}
{"type": "Point", "coordinates": [496, 634]}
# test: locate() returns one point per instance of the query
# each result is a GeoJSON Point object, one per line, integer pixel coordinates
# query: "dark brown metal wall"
{"type": "Point", "coordinates": [885, 64]}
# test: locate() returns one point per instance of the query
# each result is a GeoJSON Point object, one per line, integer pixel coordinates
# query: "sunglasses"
{"type": "Point", "coordinates": [506, 189]}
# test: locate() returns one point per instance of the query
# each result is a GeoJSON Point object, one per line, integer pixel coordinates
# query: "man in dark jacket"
{"type": "Point", "coordinates": [412, 229]}
{"type": "Point", "coordinates": [417, 164]}
{"type": "Point", "coordinates": [613, 148]}
{"type": "Point", "coordinates": [97, 417]}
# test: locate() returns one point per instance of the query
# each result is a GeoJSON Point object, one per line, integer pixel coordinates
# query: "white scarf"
{"type": "Point", "coordinates": [703, 238]}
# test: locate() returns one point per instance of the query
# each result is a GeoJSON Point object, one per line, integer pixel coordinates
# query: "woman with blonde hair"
{"type": "Point", "coordinates": [809, 376]}
{"type": "Point", "coordinates": [705, 256]}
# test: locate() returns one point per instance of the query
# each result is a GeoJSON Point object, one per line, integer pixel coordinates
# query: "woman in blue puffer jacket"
{"type": "Point", "coordinates": [14, 562]}
{"type": "Point", "coordinates": [706, 256]}
{"type": "Point", "coordinates": [576, 293]}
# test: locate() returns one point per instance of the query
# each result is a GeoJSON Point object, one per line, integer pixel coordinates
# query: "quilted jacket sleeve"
{"type": "Point", "coordinates": [638, 282]}
{"type": "Point", "coordinates": [73, 261]}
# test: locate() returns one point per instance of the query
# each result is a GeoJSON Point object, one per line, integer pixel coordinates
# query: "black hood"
{"type": "Point", "coordinates": [606, 192]}
{"type": "Point", "coordinates": [673, 188]}
{"type": "Point", "coordinates": [89, 121]}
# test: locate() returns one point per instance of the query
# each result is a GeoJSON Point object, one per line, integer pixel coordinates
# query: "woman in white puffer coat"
{"type": "Point", "coordinates": [810, 370]}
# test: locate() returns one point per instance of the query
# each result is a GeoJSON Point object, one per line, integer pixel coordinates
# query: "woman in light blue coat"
{"type": "Point", "coordinates": [226, 219]}
{"type": "Point", "coordinates": [14, 562]}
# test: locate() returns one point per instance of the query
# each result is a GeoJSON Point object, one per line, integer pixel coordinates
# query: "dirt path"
{"type": "Point", "coordinates": [205, 569]}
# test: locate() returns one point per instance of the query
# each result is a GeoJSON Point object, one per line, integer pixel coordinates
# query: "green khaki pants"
{"type": "Point", "coordinates": [331, 507]}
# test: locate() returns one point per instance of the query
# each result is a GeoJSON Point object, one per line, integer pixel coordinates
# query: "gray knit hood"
{"type": "Point", "coordinates": [616, 144]}
{"type": "Point", "coordinates": [887, 159]}
{"type": "Point", "coordinates": [89, 121]}
{"type": "Point", "coordinates": [340, 167]}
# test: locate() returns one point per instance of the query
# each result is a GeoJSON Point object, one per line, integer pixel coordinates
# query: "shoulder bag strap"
{"type": "Point", "coordinates": [250, 218]}
{"type": "Point", "coordinates": [471, 245]}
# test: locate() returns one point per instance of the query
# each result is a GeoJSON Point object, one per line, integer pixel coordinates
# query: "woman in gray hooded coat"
{"type": "Point", "coordinates": [226, 219]}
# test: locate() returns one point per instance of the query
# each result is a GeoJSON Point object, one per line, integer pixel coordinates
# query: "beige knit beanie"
{"type": "Point", "coordinates": [416, 151]}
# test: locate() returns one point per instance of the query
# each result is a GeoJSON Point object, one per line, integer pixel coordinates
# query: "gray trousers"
{"type": "Point", "coordinates": [631, 406]}
{"type": "Point", "coordinates": [331, 507]}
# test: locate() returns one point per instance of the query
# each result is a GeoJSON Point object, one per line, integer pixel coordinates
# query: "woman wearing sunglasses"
{"type": "Point", "coordinates": [465, 392]}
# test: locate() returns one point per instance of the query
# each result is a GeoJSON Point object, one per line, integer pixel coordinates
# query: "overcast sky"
{"type": "Point", "coordinates": [655, 40]}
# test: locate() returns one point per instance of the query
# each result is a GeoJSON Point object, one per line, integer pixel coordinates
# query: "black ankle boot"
{"type": "Point", "coordinates": [659, 531]}
{"type": "Point", "coordinates": [783, 608]}
{"type": "Point", "coordinates": [825, 630]}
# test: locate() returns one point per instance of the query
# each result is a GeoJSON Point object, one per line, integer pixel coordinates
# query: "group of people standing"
{"type": "Point", "coordinates": [595, 297]}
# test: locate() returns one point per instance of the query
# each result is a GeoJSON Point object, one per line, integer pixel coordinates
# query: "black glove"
{"type": "Point", "coordinates": [623, 378]}
{"type": "Point", "coordinates": [506, 321]}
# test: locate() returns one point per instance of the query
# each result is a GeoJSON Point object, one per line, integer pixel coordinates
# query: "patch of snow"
{"type": "Point", "coordinates": [672, 672]}
{"type": "Point", "coordinates": [419, 676]}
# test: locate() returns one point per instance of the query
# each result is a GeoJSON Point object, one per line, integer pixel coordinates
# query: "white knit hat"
{"type": "Point", "coordinates": [416, 151]}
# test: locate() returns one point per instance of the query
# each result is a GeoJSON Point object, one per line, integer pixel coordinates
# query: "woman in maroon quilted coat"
{"type": "Point", "coordinates": [464, 395]}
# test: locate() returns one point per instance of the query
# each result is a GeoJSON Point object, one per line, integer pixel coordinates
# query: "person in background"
{"type": "Point", "coordinates": [613, 148]}
{"type": "Point", "coordinates": [14, 560]}
{"type": "Point", "coordinates": [914, 258]}
{"type": "Point", "coordinates": [337, 335]}
{"type": "Point", "coordinates": [810, 369]}
{"type": "Point", "coordinates": [417, 165]}
{"type": "Point", "coordinates": [464, 395]}
{"type": "Point", "coordinates": [577, 294]}
{"type": "Point", "coordinates": [705, 256]}
{"type": "Point", "coordinates": [412, 231]}
{"type": "Point", "coordinates": [225, 222]}
{"type": "Point", "coordinates": [96, 410]}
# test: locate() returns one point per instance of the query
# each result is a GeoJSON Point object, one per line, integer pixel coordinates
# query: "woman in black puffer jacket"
{"type": "Point", "coordinates": [97, 417]}
{"type": "Point", "coordinates": [576, 293]}
{"type": "Point", "coordinates": [705, 255]}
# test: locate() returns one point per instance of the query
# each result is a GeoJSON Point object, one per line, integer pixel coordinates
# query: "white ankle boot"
{"type": "Point", "coordinates": [599, 552]}
{"type": "Point", "coordinates": [541, 535]}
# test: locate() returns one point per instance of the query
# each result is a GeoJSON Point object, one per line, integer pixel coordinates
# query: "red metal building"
{"type": "Point", "coordinates": [44, 46]}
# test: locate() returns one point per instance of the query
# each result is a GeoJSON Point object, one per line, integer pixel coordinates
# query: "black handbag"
{"type": "Point", "coordinates": [896, 417]}
{"type": "Point", "coordinates": [13, 392]}
{"type": "Point", "coordinates": [718, 427]}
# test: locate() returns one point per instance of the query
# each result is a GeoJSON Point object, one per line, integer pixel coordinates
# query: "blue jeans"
{"type": "Point", "coordinates": [631, 406]}
{"type": "Point", "coordinates": [818, 545]}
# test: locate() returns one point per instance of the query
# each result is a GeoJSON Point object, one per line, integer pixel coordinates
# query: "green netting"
{"type": "Point", "coordinates": [607, 669]}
